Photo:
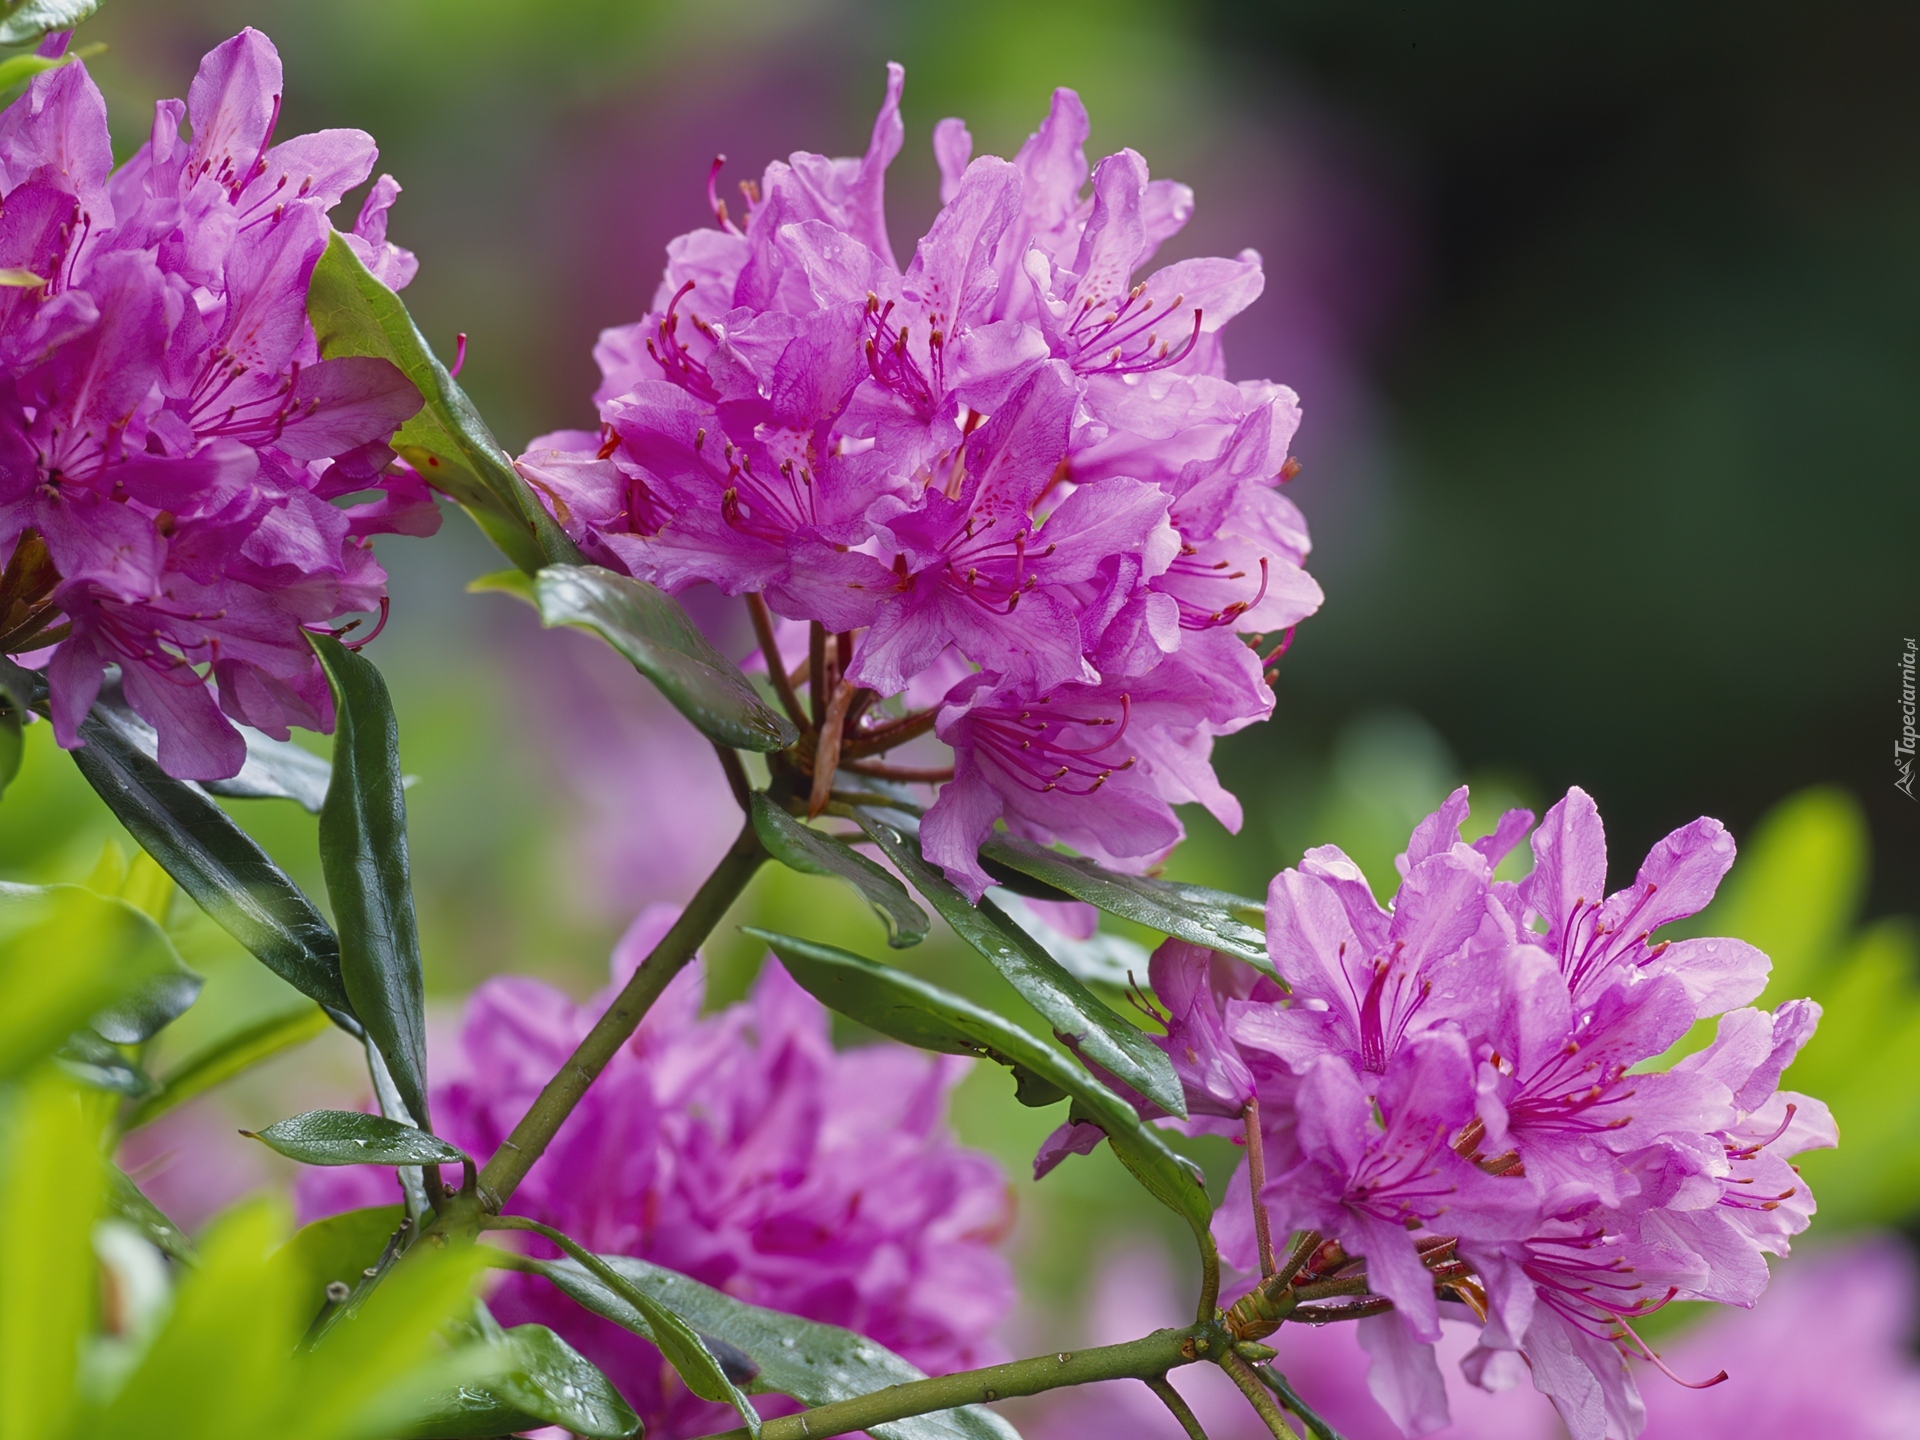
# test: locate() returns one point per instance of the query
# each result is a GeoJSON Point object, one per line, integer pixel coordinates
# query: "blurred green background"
{"type": "Point", "coordinates": [1604, 319]}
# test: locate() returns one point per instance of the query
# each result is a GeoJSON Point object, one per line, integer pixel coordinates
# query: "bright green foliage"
{"type": "Point", "coordinates": [811, 1362]}
{"type": "Point", "coordinates": [107, 952]}
{"type": "Point", "coordinates": [363, 849]}
{"type": "Point", "coordinates": [51, 1192]}
{"type": "Point", "coordinates": [802, 848]}
{"type": "Point", "coordinates": [226, 1366]}
{"type": "Point", "coordinates": [1795, 893]}
{"type": "Point", "coordinates": [350, 1137]}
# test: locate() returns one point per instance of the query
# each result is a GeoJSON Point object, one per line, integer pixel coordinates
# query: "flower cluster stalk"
{"type": "Point", "coordinates": [530, 1138]}
{"type": "Point", "coordinates": [1148, 1358]}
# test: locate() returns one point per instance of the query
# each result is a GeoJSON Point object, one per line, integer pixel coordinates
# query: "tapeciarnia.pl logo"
{"type": "Point", "coordinates": [1903, 747]}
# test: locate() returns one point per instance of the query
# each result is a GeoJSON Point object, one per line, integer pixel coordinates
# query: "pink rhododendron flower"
{"type": "Point", "coordinates": [1012, 472]}
{"type": "Point", "coordinates": [741, 1149]}
{"type": "Point", "coordinates": [1455, 1095]}
{"type": "Point", "coordinates": [168, 431]}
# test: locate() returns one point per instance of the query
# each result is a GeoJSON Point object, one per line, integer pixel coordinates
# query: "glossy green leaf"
{"type": "Point", "coordinates": [910, 1010]}
{"type": "Point", "coordinates": [28, 20]}
{"type": "Point", "coordinates": [1100, 959]}
{"type": "Point", "coordinates": [232, 1054]}
{"type": "Point", "coordinates": [65, 955]}
{"type": "Point", "coordinates": [349, 1137]}
{"type": "Point", "coordinates": [1060, 997]}
{"type": "Point", "coordinates": [216, 862]}
{"type": "Point", "coordinates": [103, 1065]}
{"type": "Point", "coordinates": [50, 1195]}
{"type": "Point", "coordinates": [815, 1364]}
{"type": "Point", "coordinates": [539, 1380]}
{"type": "Point", "coordinates": [696, 1364]}
{"type": "Point", "coordinates": [1195, 913]}
{"type": "Point", "coordinates": [801, 847]}
{"type": "Point", "coordinates": [649, 628]}
{"type": "Point", "coordinates": [126, 1200]}
{"type": "Point", "coordinates": [363, 852]}
{"type": "Point", "coordinates": [447, 441]}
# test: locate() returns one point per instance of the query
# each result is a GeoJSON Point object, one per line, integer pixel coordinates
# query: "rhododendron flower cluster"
{"type": "Point", "coordinates": [1455, 1093]}
{"type": "Point", "coordinates": [740, 1149]}
{"type": "Point", "coordinates": [172, 446]}
{"type": "Point", "coordinates": [1011, 474]}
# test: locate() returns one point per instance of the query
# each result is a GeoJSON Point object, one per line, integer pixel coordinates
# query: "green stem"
{"type": "Point", "coordinates": [530, 1138]}
{"type": "Point", "coordinates": [1242, 1375]}
{"type": "Point", "coordinates": [1147, 1358]}
{"type": "Point", "coordinates": [1277, 1383]}
{"type": "Point", "coordinates": [1175, 1402]}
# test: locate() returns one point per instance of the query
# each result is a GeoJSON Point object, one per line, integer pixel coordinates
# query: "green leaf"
{"type": "Point", "coordinates": [447, 441]}
{"type": "Point", "coordinates": [908, 1009]}
{"type": "Point", "coordinates": [650, 629]}
{"type": "Point", "coordinates": [1100, 959]}
{"type": "Point", "coordinates": [144, 1012]}
{"type": "Point", "coordinates": [126, 1200]}
{"type": "Point", "coordinates": [348, 1137]}
{"type": "Point", "coordinates": [94, 1061]}
{"type": "Point", "coordinates": [216, 862]}
{"type": "Point", "coordinates": [540, 1380]}
{"type": "Point", "coordinates": [801, 847]}
{"type": "Point", "coordinates": [1195, 913]}
{"type": "Point", "coordinates": [363, 852]}
{"type": "Point", "coordinates": [1062, 999]}
{"type": "Point", "coordinates": [230, 1055]}
{"type": "Point", "coordinates": [813, 1363]}
{"type": "Point", "coordinates": [339, 1249]}
{"type": "Point", "coordinates": [28, 20]}
{"type": "Point", "coordinates": [65, 955]}
{"type": "Point", "coordinates": [50, 1197]}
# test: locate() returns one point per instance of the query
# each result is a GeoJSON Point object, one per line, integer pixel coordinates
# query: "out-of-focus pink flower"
{"type": "Point", "coordinates": [743, 1150]}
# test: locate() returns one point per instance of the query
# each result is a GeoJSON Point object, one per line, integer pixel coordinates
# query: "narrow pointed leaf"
{"type": "Point", "coordinates": [801, 847]}
{"type": "Point", "coordinates": [447, 441]}
{"type": "Point", "coordinates": [232, 1054]}
{"type": "Point", "coordinates": [540, 1381]}
{"type": "Point", "coordinates": [649, 628]}
{"type": "Point", "coordinates": [1196, 913]}
{"type": "Point", "coordinates": [148, 1009]}
{"type": "Point", "coordinates": [349, 1137]}
{"type": "Point", "coordinates": [126, 1200]}
{"type": "Point", "coordinates": [1101, 959]}
{"type": "Point", "coordinates": [1062, 999]}
{"type": "Point", "coordinates": [363, 852]}
{"type": "Point", "coordinates": [908, 1009]}
{"type": "Point", "coordinates": [216, 862]}
{"type": "Point", "coordinates": [813, 1363]}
